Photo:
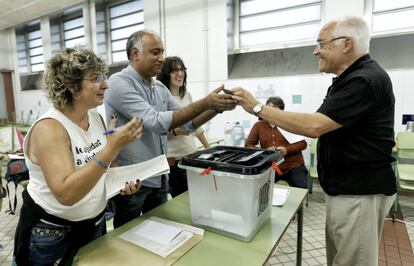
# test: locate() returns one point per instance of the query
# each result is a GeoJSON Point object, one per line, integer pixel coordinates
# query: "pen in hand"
{"type": "Point", "coordinates": [111, 131]}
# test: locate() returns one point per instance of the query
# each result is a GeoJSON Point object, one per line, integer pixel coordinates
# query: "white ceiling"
{"type": "Point", "coordinates": [15, 12]}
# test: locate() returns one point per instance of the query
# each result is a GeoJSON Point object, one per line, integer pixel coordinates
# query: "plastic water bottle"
{"type": "Point", "coordinates": [238, 135]}
{"type": "Point", "coordinates": [228, 141]}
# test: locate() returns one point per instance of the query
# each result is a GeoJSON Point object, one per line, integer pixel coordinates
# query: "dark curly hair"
{"type": "Point", "coordinates": [276, 101]}
{"type": "Point", "coordinates": [66, 70]}
{"type": "Point", "coordinates": [171, 63]}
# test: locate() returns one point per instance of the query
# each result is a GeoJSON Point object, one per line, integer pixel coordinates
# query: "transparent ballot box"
{"type": "Point", "coordinates": [230, 189]}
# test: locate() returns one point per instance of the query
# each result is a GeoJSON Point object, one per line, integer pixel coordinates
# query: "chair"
{"type": "Point", "coordinates": [312, 171]}
{"type": "Point", "coordinates": [404, 168]}
{"type": "Point", "coordinates": [405, 160]}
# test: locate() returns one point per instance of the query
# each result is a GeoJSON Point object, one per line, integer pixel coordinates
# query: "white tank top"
{"type": "Point", "coordinates": [84, 145]}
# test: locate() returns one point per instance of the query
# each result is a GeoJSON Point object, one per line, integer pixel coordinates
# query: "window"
{"type": "Point", "coordinates": [264, 22]}
{"type": "Point", "coordinates": [396, 15]}
{"type": "Point", "coordinates": [74, 32]}
{"type": "Point", "coordinates": [30, 48]}
{"type": "Point", "coordinates": [124, 19]}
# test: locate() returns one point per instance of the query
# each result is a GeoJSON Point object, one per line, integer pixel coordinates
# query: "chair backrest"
{"type": "Point", "coordinates": [313, 147]}
{"type": "Point", "coordinates": [405, 145]}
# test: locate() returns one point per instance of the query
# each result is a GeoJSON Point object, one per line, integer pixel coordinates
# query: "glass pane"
{"type": "Point", "coordinates": [34, 43]}
{"type": "Point", "coordinates": [75, 42]}
{"type": "Point", "coordinates": [20, 39]}
{"type": "Point", "coordinates": [127, 20]}
{"type": "Point", "coordinates": [100, 16]}
{"type": "Point", "coordinates": [55, 48]}
{"type": "Point", "coordinates": [119, 56]}
{"type": "Point", "coordinates": [303, 32]}
{"type": "Point", "coordinates": [100, 27]}
{"type": "Point", "coordinates": [125, 32]}
{"type": "Point", "coordinates": [23, 69]}
{"type": "Point", "coordinates": [125, 8]}
{"type": "Point", "coordinates": [257, 6]}
{"type": "Point", "coordinates": [74, 33]}
{"type": "Point", "coordinates": [34, 35]}
{"type": "Point", "coordinates": [394, 20]}
{"type": "Point", "coordinates": [101, 38]}
{"type": "Point", "coordinates": [36, 51]}
{"type": "Point", "coordinates": [21, 54]}
{"type": "Point", "coordinates": [36, 59]}
{"type": "Point", "coordinates": [381, 5]}
{"type": "Point", "coordinates": [20, 46]}
{"type": "Point", "coordinates": [277, 19]}
{"type": "Point", "coordinates": [102, 49]}
{"type": "Point", "coordinates": [22, 62]}
{"type": "Point", "coordinates": [38, 67]}
{"type": "Point", "coordinates": [73, 23]}
{"type": "Point", "coordinates": [119, 45]}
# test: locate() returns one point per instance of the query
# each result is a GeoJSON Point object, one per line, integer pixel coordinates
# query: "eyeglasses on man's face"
{"type": "Point", "coordinates": [177, 70]}
{"type": "Point", "coordinates": [99, 78]}
{"type": "Point", "coordinates": [320, 44]}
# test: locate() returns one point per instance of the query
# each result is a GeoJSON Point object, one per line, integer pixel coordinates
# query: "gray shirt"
{"type": "Point", "coordinates": [128, 96]}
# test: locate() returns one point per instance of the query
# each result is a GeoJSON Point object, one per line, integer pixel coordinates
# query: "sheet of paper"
{"type": "Point", "coordinates": [290, 137]}
{"type": "Point", "coordinates": [279, 196]}
{"type": "Point", "coordinates": [15, 156]}
{"type": "Point", "coordinates": [158, 237]}
{"type": "Point", "coordinates": [117, 177]}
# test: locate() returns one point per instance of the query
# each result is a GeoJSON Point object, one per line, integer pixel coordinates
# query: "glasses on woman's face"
{"type": "Point", "coordinates": [177, 70]}
{"type": "Point", "coordinates": [320, 44]}
{"type": "Point", "coordinates": [99, 78]}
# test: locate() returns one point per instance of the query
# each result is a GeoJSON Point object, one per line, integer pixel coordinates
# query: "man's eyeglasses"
{"type": "Point", "coordinates": [321, 44]}
{"type": "Point", "coordinates": [98, 79]}
{"type": "Point", "coordinates": [177, 70]}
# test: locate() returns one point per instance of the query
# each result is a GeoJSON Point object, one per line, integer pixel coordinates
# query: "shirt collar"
{"type": "Point", "coordinates": [355, 65]}
{"type": "Point", "coordinates": [135, 74]}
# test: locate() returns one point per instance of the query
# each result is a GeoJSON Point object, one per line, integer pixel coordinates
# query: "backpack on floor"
{"type": "Point", "coordinates": [16, 172]}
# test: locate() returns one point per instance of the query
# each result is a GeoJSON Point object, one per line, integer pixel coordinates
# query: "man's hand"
{"type": "Point", "coordinates": [245, 99]}
{"type": "Point", "coordinates": [220, 102]}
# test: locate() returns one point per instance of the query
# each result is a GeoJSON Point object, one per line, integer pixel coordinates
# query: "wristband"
{"type": "Point", "coordinates": [173, 131]}
{"type": "Point", "coordinates": [102, 164]}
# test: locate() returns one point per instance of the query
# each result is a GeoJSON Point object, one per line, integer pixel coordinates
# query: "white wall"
{"type": "Point", "coordinates": [5, 63]}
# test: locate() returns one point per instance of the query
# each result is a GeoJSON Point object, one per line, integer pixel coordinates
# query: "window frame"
{"type": "Point", "coordinates": [236, 40]}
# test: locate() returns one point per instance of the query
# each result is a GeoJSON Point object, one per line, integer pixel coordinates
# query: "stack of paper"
{"type": "Point", "coordinates": [279, 196]}
{"type": "Point", "coordinates": [117, 177]}
{"type": "Point", "coordinates": [160, 236]}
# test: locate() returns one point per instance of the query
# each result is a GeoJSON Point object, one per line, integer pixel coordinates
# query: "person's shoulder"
{"type": "Point", "coordinates": [161, 85]}
{"type": "Point", "coordinates": [49, 128]}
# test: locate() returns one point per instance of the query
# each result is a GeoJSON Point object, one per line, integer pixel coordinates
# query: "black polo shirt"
{"type": "Point", "coordinates": [356, 158]}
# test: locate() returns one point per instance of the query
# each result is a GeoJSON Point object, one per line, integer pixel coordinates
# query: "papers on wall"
{"type": "Point", "coordinates": [117, 177]}
{"type": "Point", "coordinates": [290, 137]}
{"type": "Point", "coordinates": [279, 196]}
{"type": "Point", "coordinates": [160, 236]}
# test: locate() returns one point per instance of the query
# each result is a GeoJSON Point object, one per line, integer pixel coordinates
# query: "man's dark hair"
{"type": "Point", "coordinates": [276, 101]}
{"type": "Point", "coordinates": [171, 63]}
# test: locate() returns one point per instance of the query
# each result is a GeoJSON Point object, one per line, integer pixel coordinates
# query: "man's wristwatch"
{"type": "Point", "coordinates": [257, 109]}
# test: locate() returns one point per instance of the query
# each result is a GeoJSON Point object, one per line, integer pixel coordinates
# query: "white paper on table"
{"type": "Point", "coordinates": [279, 196]}
{"type": "Point", "coordinates": [290, 137]}
{"type": "Point", "coordinates": [116, 177]}
{"type": "Point", "coordinates": [15, 156]}
{"type": "Point", "coordinates": [160, 236]}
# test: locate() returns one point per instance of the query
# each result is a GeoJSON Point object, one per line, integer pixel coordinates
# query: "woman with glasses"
{"type": "Point", "coordinates": [67, 155]}
{"type": "Point", "coordinates": [180, 143]}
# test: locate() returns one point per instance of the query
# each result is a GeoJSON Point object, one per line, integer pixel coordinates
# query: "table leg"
{"type": "Point", "coordinates": [300, 236]}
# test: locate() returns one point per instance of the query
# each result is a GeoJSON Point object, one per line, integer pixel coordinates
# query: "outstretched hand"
{"type": "Point", "coordinates": [245, 99]}
{"type": "Point", "coordinates": [220, 102]}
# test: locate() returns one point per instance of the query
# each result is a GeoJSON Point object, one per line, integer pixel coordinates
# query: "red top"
{"type": "Point", "coordinates": [267, 136]}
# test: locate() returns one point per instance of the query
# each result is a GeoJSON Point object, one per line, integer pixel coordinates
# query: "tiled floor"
{"type": "Point", "coordinates": [313, 236]}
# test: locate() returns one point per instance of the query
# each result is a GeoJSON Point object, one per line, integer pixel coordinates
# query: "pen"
{"type": "Point", "coordinates": [111, 131]}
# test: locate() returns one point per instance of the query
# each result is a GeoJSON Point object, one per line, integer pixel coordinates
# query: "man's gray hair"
{"type": "Point", "coordinates": [356, 28]}
{"type": "Point", "coordinates": [135, 41]}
